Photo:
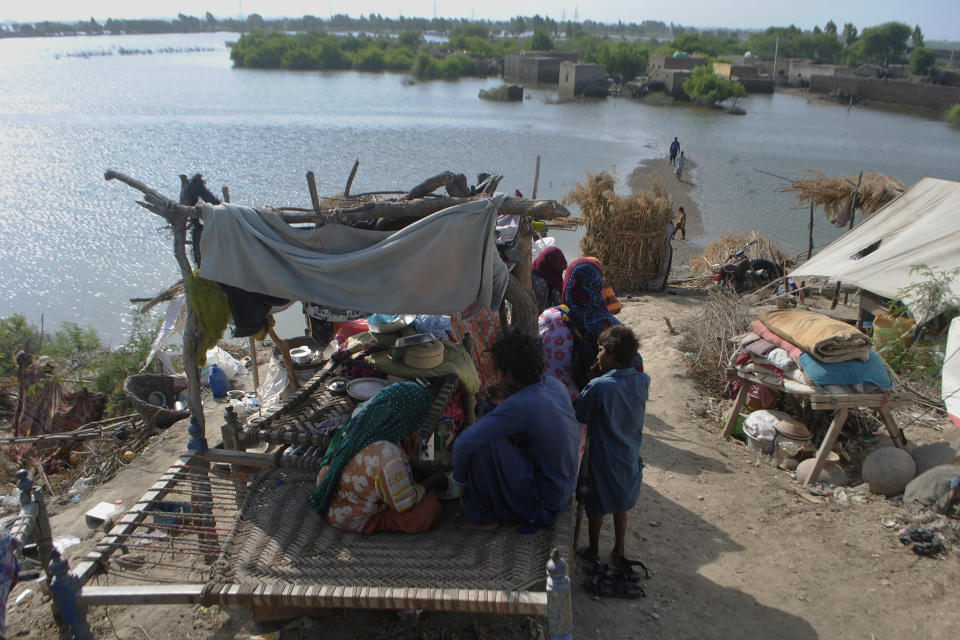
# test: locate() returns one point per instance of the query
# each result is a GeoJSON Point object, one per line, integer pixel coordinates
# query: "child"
{"type": "Point", "coordinates": [613, 405]}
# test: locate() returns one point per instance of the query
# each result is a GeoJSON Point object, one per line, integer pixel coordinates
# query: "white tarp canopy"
{"type": "Point", "coordinates": [922, 226]}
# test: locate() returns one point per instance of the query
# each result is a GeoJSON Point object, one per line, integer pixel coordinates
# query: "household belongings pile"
{"type": "Point", "coordinates": [798, 351]}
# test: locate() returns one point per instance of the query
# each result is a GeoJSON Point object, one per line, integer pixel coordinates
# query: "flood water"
{"type": "Point", "coordinates": [75, 247]}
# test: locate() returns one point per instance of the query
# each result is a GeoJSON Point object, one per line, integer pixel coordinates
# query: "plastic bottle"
{"type": "Point", "coordinates": [219, 383]}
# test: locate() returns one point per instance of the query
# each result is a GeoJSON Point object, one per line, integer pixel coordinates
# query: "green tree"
{"type": "Point", "coordinates": [707, 87]}
{"type": "Point", "coordinates": [541, 41]}
{"type": "Point", "coordinates": [410, 39]}
{"type": "Point", "coordinates": [517, 25]}
{"type": "Point", "coordinates": [951, 115]}
{"type": "Point", "coordinates": [830, 27]}
{"type": "Point", "coordinates": [849, 34]}
{"type": "Point", "coordinates": [916, 38]}
{"type": "Point", "coordinates": [922, 62]}
{"type": "Point", "coordinates": [886, 44]}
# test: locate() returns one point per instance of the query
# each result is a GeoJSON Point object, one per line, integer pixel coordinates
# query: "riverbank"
{"type": "Point", "coordinates": [659, 172]}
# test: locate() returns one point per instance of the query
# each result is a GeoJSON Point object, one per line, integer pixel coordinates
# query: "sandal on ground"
{"type": "Point", "coordinates": [600, 568]}
{"type": "Point", "coordinates": [615, 587]}
{"type": "Point", "coordinates": [625, 568]}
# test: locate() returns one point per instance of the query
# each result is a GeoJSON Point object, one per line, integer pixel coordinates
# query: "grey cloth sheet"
{"type": "Point", "coordinates": [440, 264]}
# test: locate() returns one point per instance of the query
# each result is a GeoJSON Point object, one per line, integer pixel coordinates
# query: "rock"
{"type": "Point", "coordinates": [932, 455]}
{"type": "Point", "coordinates": [832, 475]}
{"type": "Point", "coordinates": [929, 486]}
{"type": "Point", "coordinates": [888, 470]}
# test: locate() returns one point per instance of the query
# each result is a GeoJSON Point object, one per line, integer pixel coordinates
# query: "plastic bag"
{"type": "Point", "coordinates": [273, 382]}
{"type": "Point", "coordinates": [230, 365]}
{"type": "Point", "coordinates": [761, 424]}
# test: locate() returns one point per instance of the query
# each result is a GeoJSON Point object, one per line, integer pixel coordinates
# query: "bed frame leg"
{"type": "Point", "coordinates": [65, 588]}
{"type": "Point", "coordinates": [559, 602]}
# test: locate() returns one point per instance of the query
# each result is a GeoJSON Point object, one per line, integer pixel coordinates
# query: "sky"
{"type": "Point", "coordinates": [939, 19]}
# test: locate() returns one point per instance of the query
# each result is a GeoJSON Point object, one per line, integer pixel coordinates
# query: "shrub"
{"type": "Point", "coordinates": [707, 87]}
{"type": "Point", "coordinates": [953, 115]}
{"type": "Point", "coordinates": [370, 58]}
{"type": "Point", "coordinates": [456, 66]}
{"type": "Point", "coordinates": [425, 66]}
{"type": "Point", "coordinates": [398, 59]}
{"type": "Point", "coordinates": [16, 334]}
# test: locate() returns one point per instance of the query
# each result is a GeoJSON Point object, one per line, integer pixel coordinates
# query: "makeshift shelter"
{"type": "Point", "coordinates": [921, 227]}
{"type": "Point", "coordinates": [277, 552]}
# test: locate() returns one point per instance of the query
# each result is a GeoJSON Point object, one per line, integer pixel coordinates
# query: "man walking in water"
{"type": "Point", "coordinates": [674, 150]}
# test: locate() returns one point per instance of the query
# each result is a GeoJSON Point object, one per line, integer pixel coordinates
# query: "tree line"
{"type": "Point", "coordinates": [625, 48]}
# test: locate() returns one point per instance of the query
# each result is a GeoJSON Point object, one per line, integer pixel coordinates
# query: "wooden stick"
{"type": "Point", "coordinates": [430, 184]}
{"type": "Point", "coordinates": [314, 196]}
{"type": "Point", "coordinates": [735, 411]}
{"type": "Point", "coordinates": [670, 328]}
{"type": "Point", "coordinates": [536, 179]}
{"type": "Point", "coordinates": [353, 173]}
{"type": "Point", "coordinates": [226, 194]}
{"type": "Point", "coordinates": [826, 446]}
{"type": "Point", "coordinates": [836, 296]}
{"type": "Point", "coordinates": [810, 236]}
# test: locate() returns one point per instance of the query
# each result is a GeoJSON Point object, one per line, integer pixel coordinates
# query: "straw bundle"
{"type": "Point", "coordinates": [718, 251]}
{"type": "Point", "coordinates": [627, 234]}
{"type": "Point", "coordinates": [830, 192]}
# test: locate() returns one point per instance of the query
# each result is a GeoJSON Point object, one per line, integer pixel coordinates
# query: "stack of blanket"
{"type": "Point", "coordinates": [790, 347]}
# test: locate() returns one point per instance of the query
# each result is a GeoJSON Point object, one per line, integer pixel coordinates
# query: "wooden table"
{"type": "Point", "coordinates": [821, 401]}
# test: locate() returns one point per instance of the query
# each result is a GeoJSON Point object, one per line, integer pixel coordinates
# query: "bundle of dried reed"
{"type": "Point", "coordinates": [628, 234]}
{"type": "Point", "coordinates": [718, 251]}
{"type": "Point", "coordinates": [831, 192]}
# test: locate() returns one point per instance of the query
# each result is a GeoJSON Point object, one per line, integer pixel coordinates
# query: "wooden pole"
{"type": "Point", "coordinates": [226, 194]}
{"type": "Point", "coordinates": [536, 179]}
{"type": "Point", "coordinates": [314, 196]}
{"type": "Point", "coordinates": [810, 235]}
{"type": "Point", "coordinates": [854, 195]}
{"type": "Point", "coordinates": [836, 296]}
{"type": "Point", "coordinates": [287, 361]}
{"type": "Point", "coordinates": [353, 173]}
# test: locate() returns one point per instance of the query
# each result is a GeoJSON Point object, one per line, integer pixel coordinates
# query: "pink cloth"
{"type": "Point", "coordinates": [557, 341]}
{"type": "Point", "coordinates": [792, 350]}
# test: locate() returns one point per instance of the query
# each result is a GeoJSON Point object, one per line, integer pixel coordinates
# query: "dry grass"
{"type": "Point", "coordinates": [831, 192]}
{"type": "Point", "coordinates": [718, 251]}
{"type": "Point", "coordinates": [722, 316]}
{"type": "Point", "coordinates": [626, 233]}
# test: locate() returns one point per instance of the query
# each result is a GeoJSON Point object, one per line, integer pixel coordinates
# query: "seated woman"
{"type": "Point", "coordinates": [518, 464]}
{"type": "Point", "coordinates": [366, 484]}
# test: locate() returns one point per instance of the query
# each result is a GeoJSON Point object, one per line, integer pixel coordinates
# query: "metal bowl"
{"type": "Point", "coordinates": [401, 322]}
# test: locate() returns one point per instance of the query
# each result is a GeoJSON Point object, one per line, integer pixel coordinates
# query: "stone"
{"type": "Point", "coordinates": [888, 470]}
{"type": "Point", "coordinates": [828, 475]}
{"type": "Point", "coordinates": [929, 486]}
{"type": "Point", "coordinates": [934, 454]}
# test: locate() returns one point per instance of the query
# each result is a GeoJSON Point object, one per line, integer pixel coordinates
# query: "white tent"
{"type": "Point", "coordinates": [921, 227]}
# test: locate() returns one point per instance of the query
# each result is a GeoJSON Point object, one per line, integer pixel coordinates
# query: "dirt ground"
{"type": "Point", "coordinates": [736, 549]}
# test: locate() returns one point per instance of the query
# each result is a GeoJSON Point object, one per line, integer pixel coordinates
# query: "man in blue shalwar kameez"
{"type": "Point", "coordinates": [613, 407]}
{"type": "Point", "coordinates": [518, 464]}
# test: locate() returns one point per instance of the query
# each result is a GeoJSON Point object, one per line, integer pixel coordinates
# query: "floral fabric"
{"type": "Point", "coordinates": [484, 325]}
{"type": "Point", "coordinates": [557, 341]}
{"type": "Point", "coordinates": [377, 478]}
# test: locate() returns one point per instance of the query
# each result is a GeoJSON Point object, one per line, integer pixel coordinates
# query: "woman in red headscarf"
{"type": "Point", "coordinates": [548, 278]}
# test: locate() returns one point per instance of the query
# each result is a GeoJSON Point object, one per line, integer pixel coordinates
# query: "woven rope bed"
{"type": "Point", "coordinates": [280, 553]}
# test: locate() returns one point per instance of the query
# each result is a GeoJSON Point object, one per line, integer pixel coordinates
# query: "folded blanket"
{"type": "Point", "coordinates": [850, 372]}
{"type": "Point", "coordinates": [761, 330]}
{"type": "Point", "coordinates": [821, 336]}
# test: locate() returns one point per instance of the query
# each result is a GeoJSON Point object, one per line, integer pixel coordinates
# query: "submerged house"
{"type": "Point", "coordinates": [583, 79]}
{"type": "Point", "coordinates": [535, 66]}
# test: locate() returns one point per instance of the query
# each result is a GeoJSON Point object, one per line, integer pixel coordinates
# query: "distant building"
{"type": "Point", "coordinates": [582, 79]}
{"type": "Point", "coordinates": [535, 66]}
{"type": "Point", "coordinates": [671, 71]}
{"type": "Point", "coordinates": [746, 74]}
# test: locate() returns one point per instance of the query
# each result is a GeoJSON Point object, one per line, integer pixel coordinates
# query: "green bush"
{"type": "Point", "coordinates": [425, 66]}
{"type": "Point", "coordinates": [457, 65]}
{"type": "Point", "coordinates": [16, 334]}
{"type": "Point", "coordinates": [370, 58]}
{"type": "Point", "coordinates": [953, 115]}
{"type": "Point", "coordinates": [707, 87]}
{"type": "Point", "coordinates": [398, 59]}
